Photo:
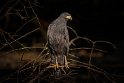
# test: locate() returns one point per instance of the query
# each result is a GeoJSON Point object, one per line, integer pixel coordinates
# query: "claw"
{"type": "Point", "coordinates": [56, 65]}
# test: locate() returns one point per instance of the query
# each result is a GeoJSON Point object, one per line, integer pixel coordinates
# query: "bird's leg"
{"type": "Point", "coordinates": [66, 62]}
{"type": "Point", "coordinates": [56, 65]}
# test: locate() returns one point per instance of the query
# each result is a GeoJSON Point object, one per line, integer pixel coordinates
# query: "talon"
{"type": "Point", "coordinates": [56, 65]}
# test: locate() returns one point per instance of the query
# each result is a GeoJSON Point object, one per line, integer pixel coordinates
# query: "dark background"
{"type": "Point", "coordinates": [97, 19]}
{"type": "Point", "coordinates": [94, 19]}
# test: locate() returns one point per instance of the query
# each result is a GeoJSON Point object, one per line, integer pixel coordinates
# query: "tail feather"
{"type": "Point", "coordinates": [57, 73]}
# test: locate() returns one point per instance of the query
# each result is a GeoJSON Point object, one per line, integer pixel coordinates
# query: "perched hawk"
{"type": "Point", "coordinates": [58, 40]}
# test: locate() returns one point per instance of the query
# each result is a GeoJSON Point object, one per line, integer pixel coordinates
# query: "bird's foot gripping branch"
{"type": "Point", "coordinates": [57, 65]}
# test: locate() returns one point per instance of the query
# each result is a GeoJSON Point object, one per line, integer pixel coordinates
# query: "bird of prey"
{"type": "Point", "coordinates": [58, 40]}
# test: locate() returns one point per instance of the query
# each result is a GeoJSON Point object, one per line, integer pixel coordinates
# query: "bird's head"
{"type": "Point", "coordinates": [66, 16]}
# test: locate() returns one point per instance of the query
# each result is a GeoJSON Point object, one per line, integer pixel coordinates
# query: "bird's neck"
{"type": "Point", "coordinates": [62, 20]}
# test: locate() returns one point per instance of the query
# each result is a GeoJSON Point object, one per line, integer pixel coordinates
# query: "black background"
{"type": "Point", "coordinates": [94, 19]}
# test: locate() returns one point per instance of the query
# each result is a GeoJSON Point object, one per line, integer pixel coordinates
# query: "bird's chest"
{"type": "Point", "coordinates": [60, 30]}
{"type": "Point", "coordinates": [58, 35]}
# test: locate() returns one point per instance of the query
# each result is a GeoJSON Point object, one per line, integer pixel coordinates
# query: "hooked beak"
{"type": "Point", "coordinates": [68, 17]}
